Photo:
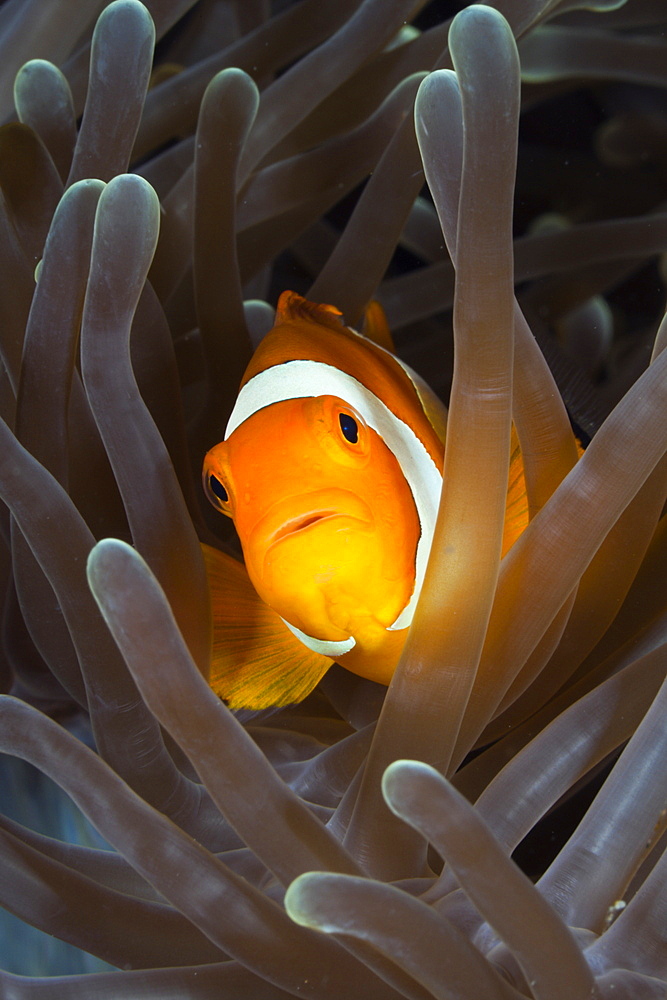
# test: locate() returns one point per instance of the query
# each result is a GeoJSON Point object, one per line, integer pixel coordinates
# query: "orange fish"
{"type": "Point", "coordinates": [331, 470]}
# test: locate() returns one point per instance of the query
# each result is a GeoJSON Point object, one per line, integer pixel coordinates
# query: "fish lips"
{"type": "Point", "coordinates": [302, 513]}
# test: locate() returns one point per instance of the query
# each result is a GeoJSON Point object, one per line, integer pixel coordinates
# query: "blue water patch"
{"type": "Point", "coordinates": [30, 798]}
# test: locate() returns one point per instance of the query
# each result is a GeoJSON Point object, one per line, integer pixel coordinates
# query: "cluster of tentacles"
{"type": "Point", "coordinates": [154, 201]}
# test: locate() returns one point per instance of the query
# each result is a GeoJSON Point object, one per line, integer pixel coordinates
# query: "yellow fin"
{"type": "Point", "coordinates": [256, 662]}
{"type": "Point", "coordinates": [516, 509]}
{"type": "Point", "coordinates": [375, 326]}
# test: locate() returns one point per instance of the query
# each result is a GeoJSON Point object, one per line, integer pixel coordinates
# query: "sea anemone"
{"type": "Point", "coordinates": [359, 844]}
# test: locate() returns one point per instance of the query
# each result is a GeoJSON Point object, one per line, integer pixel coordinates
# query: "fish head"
{"type": "Point", "coordinates": [325, 516]}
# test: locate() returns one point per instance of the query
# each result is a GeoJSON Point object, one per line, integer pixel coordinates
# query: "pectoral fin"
{"type": "Point", "coordinates": [256, 662]}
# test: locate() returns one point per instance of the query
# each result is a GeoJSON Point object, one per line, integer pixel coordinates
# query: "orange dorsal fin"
{"type": "Point", "coordinates": [375, 326]}
{"type": "Point", "coordinates": [293, 308]}
{"type": "Point", "coordinates": [256, 662]}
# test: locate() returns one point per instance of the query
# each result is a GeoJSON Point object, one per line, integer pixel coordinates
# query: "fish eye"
{"type": "Point", "coordinates": [217, 492]}
{"type": "Point", "coordinates": [349, 427]}
{"type": "Point", "coordinates": [339, 428]}
{"type": "Point", "coordinates": [218, 488]}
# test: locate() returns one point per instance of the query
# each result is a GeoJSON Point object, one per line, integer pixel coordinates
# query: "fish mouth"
{"type": "Point", "coordinates": [295, 515]}
{"type": "Point", "coordinates": [301, 523]}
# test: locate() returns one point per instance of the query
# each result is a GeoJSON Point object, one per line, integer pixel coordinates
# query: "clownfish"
{"type": "Point", "coordinates": [331, 468]}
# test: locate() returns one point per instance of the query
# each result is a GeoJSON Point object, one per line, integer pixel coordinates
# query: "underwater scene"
{"type": "Point", "coordinates": [333, 471]}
